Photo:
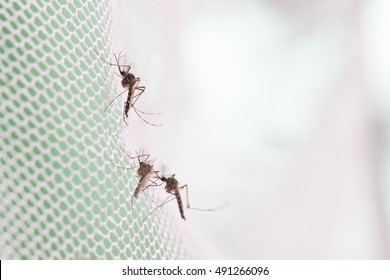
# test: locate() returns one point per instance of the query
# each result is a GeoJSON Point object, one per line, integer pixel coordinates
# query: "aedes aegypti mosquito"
{"type": "Point", "coordinates": [172, 187]}
{"type": "Point", "coordinates": [130, 84]}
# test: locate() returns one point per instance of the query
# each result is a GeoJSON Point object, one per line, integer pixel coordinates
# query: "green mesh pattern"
{"type": "Point", "coordinates": [60, 196]}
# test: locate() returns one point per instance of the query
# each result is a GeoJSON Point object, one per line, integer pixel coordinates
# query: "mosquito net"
{"type": "Point", "coordinates": [60, 195]}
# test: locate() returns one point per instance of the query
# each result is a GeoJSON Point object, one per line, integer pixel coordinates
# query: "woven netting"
{"type": "Point", "coordinates": [60, 195]}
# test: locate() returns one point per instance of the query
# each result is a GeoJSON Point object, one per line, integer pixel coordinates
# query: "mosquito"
{"type": "Point", "coordinates": [172, 187]}
{"type": "Point", "coordinates": [130, 83]}
{"type": "Point", "coordinates": [145, 172]}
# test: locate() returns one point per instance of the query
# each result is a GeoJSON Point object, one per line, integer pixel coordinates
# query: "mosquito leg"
{"type": "Point", "coordinates": [155, 209]}
{"type": "Point", "coordinates": [219, 207]}
{"type": "Point", "coordinates": [149, 197]}
{"type": "Point", "coordinates": [120, 166]}
{"type": "Point", "coordinates": [126, 69]}
{"type": "Point", "coordinates": [187, 196]}
{"type": "Point", "coordinates": [147, 157]}
{"type": "Point", "coordinates": [147, 113]}
{"type": "Point", "coordinates": [122, 150]}
{"type": "Point", "coordinates": [136, 111]}
{"type": "Point", "coordinates": [114, 99]}
{"type": "Point", "coordinates": [153, 184]}
{"type": "Point", "coordinates": [140, 189]}
{"type": "Point", "coordinates": [141, 89]}
{"type": "Point", "coordinates": [117, 61]}
{"type": "Point", "coordinates": [109, 63]}
{"type": "Point", "coordinates": [135, 97]}
{"type": "Point", "coordinates": [154, 172]}
{"type": "Point", "coordinates": [142, 112]}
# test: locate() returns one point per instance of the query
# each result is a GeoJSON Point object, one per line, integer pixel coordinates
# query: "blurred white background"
{"type": "Point", "coordinates": [280, 107]}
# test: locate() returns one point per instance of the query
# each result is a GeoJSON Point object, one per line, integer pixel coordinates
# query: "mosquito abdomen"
{"type": "Point", "coordinates": [180, 204]}
{"type": "Point", "coordinates": [137, 190]}
{"type": "Point", "coordinates": [127, 106]}
{"type": "Point", "coordinates": [141, 184]}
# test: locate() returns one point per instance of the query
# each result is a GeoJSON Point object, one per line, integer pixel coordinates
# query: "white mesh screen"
{"type": "Point", "coordinates": [60, 196]}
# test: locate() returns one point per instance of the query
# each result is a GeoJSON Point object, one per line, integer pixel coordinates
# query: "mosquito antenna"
{"type": "Point", "coordinates": [109, 63]}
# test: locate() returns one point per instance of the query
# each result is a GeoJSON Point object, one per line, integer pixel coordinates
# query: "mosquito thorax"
{"type": "Point", "coordinates": [172, 180]}
{"type": "Point", "coordinates": [171, 185]}
{"type": "Point", "coordinates": [128, 80]}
